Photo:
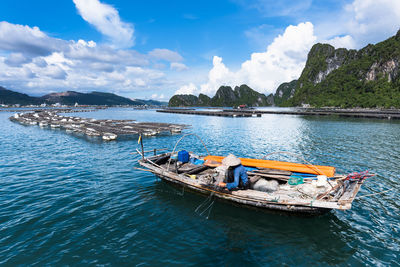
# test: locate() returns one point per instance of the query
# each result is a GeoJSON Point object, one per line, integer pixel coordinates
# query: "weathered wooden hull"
{"type": "Point", "coordinates": [236, 199]}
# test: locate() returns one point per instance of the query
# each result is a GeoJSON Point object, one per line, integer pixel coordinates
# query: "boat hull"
{"type": "Point", "coordinates": [173, 178]}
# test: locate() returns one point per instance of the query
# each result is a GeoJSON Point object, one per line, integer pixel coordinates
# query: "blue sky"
{"type": "Point", "coordinates": [153, 49]}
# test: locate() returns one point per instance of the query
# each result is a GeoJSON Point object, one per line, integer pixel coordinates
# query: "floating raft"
{"type": "Point", "coordinates": [281, 165]}
{"type": "Point", "coordinates": [225, 113]}
{"type": "Point", "coordinates": [106, 129]}
{"type": "Point", "coordinates": [355, 113]}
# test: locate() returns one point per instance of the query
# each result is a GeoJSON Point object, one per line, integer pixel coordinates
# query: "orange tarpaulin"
{"type": "Point", "coordinates": [281, 165]}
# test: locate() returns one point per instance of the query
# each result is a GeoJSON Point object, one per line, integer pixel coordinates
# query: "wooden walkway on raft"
{"type": "Point", "coordinates": [105, 129]}
{"type": "Point", "coordinates": [222, 113]}
{"type": "Point", "coordinates": [355, 113]}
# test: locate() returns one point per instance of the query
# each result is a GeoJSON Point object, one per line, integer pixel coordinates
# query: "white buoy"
{"type": "Point", "coordinates": [109, 136]}
{"type": "Point", "coordinates": [176, 130]}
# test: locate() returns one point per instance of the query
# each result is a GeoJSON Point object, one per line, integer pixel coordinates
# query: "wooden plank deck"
{"type": "Point", "coordinates": [372, 114]}
{"type": "Point", "coordinates": [355, 113]}
{"type": "Point", "coordinates": [210, 113]}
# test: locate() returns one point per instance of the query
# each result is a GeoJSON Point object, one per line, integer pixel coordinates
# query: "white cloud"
{"type": "Point", "coordinates": [178, 66]}
{"type": "Point", "coordinates": [359, 23]}
{"type": "Point", "coordinates": [29, 74]}
{"type": "Point", "coordinates": [40, 62]}
{"type": "Point", "coordinates": [140, 82]}
{"type": "Point", "coordinates": [189, 89]}
{"type": "Point", "coordinates": [218, 75]}
{"type": "Point", "coordinates": [90, 51]}
{"type": "Point", "coordinates": [27, 40]}
{"type": "Point", "coordinates": [17, 60]}
{"type": "Point", "coordinates": [165, 54]}
{"type": "Point", "coordinates": [371, 21]}
{"type": "Point", "coordinates": [106, 20]}
{"type": "Point", "coordinates": [159, 66]}
{"type": "Point", "coordinates": [158, 97]}
{"type": "Point", "coordinates": [341, 42]}
{"type": "Point", "coordinates": [58, 58]}
{"type": "Point", "coordinates": [282, 61]}
{"type": "Point", "coordinates": [55, 72]}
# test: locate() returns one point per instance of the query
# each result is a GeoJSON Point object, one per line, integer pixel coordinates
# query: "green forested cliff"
{"type": "Point", "coordinates": [224, 97]}
{"type": "Point", "coordinates": [284, 92]}
{"type": "Point", "coordinates": [368, 77]}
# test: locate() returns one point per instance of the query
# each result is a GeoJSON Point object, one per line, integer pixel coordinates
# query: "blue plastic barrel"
{"type": "Point", "coordinates": [183, 156]}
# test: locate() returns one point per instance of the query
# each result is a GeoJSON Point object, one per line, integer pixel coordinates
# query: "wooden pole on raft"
{"type": "Point", "coordinates": [141, 144]}
{"type": "Point", "coordinates": [153, 150]}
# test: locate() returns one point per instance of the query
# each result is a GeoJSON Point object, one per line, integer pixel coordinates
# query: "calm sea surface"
{"type": "Point", "coordinates": [66, 200]}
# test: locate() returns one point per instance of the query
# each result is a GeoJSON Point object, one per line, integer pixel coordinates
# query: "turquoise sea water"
{"type": "Point", "coordinates": [66, 200]}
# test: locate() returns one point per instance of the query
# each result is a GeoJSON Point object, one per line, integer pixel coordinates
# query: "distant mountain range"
{"type": "Point", "coordinates": [224, 97]}
{"type": "Point", "coordinates": [369, 77]}
{"type": "Point", "coordinates": [70, 98]}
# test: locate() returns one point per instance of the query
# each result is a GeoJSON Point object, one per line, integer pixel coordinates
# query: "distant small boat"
{"type": "Point", "coordinates": [298, 188]}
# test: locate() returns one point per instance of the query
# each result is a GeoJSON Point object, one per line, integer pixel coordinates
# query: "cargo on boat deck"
{"type": "Point", "coordinates": [281, 165]}
{"type": "Point", "coordinates": [183, 156]}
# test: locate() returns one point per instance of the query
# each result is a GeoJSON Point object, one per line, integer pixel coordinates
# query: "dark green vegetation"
{"type": "Point", "coordinates": [284, 92]}
{"type": "Point", "coordinates": [183, 101]}
{"type": "Point", "coordinates": [224, 97]}
{"type": "Point", "coordinates": [70, 98]}
{"type": "Point", "coordinates": [10, 97]}
{"type": "Point", "coordinates": [94, 98]}
{"type": "Point", "coordinates": [349, 78]}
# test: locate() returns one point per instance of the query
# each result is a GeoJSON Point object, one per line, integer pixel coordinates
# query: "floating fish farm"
{"type": "Point", "coordinates": [106, 129]}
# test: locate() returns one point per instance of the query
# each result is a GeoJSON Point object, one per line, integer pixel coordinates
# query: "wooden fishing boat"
{"type": "Point", "coordinates": [299, 188]}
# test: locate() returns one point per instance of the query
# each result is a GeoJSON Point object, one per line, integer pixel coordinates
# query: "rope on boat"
{"type": "Point", "coordinates": [145, 170]}
{"type": "Point", "coordinates": [180, 139]}
{"type": "Point", "coordinates": [199, 210]}
{"type": "Point", "coordinates": [209, 208]}
{"type": "Point", "coordinates": [208, 199]}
